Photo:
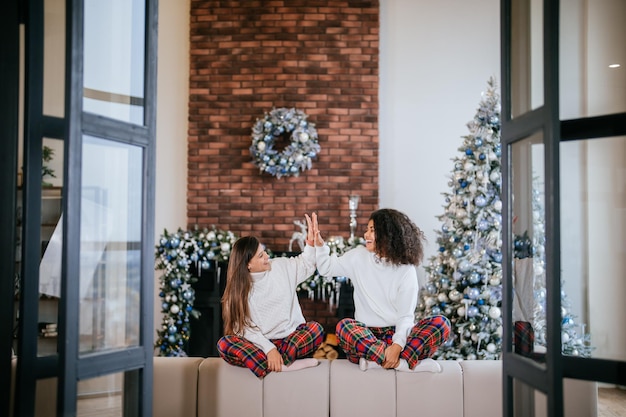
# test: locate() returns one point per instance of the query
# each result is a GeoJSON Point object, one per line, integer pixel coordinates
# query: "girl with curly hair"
{"type": "Point", "coordinates": [383, 332]}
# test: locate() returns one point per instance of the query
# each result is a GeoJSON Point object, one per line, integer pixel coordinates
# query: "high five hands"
{"type": "Point", "coordinates": [314, 237]}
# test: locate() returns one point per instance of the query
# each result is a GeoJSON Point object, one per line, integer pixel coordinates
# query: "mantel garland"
{"type": "Point", "coordinates": [297, 156]}
{"type": "Point", "coordinates": [175, 254]}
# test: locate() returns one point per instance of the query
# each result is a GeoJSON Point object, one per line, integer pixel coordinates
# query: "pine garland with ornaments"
{"type": "Point", "coordinates": [175, 254]}
{"type": "Point", "coordinates": [465, 276]}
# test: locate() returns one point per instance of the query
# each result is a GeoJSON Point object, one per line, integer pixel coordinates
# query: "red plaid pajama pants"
{"type": "Point", "coordinates": [360, 341]}
{"type": "Point", "coordinates": [301, 343]}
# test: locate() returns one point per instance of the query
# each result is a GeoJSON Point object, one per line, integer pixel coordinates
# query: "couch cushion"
{"type": "Point", "coordinates": [357, 393]}
{"type": "Point", "coordinates": [482, 388]}
{"type": "Point", "coordinates": [175, 386]}
{"type": "Point", "coordinates": [225, 390]}
{"type": "Point", "coordinates": [431, 394]}
{"type": "Point", "coordinates": [302, 393]}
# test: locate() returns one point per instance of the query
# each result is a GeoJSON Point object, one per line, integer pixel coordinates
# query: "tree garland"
{"type": "Point", "coordinates": [297, 156]}
{"type": "Point", "coordinates": [175, 254]}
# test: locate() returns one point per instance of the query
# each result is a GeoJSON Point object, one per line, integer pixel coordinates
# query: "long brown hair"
{"type": "Point", "coordinates": [235, 309]}
{"type": "Point", "coordinates": [398, 239]}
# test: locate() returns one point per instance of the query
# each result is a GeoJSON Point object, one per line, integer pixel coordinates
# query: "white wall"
{"type": "Point", "coordinates": [172, 104]}
{"type": "Point", "coordinates": [435, 60]}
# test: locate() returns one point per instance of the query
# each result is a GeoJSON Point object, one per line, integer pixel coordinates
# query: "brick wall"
{"type": "Point", "coordinates": [247, 57]}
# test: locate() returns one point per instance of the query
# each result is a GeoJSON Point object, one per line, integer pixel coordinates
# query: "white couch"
{"type": "Point", "coordinates": [197, 387]}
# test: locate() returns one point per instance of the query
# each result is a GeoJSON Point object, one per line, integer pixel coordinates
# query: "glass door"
{"type": "Point", "coordinates": [563, 132]}
{"type": "Point", "coordinates": [85, 234]}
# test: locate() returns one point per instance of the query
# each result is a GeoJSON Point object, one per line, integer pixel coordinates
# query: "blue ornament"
{"type": "Point", "coordinates": [172, 329]}
{"type": "Point", "coordinates": [469, 152]}
{"type": "Point", "coordinates": [478, 141]}
{"type": "Point", "coordinates": [172, 339]}
{"type": "Point", "coordinates": [497, 256]}
{"type": "Point", "coordinates": [480, 302]}
{"type": "Point", "coordinates": [472, 311]}
{"type": "Point", "coordinates": [480, 201]}
{"type": "Point", "coordinates": [466, 247]}
{"type": "Point", "coordinates": [482, 156]}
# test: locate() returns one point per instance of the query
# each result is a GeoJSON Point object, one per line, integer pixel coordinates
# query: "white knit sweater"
{"type": "Point", "coordinates": [274, 306]}
{"type": "Point", "coordinates": [384, 294]}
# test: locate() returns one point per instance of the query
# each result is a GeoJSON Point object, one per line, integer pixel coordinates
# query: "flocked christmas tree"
{"type": "Point", "coordinates": [575, 341]}
{"type": "Point", "coordinates": [465, 276]}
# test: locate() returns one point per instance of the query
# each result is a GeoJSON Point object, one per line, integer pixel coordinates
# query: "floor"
{"type": "Point", "coordinates": [611, 403]}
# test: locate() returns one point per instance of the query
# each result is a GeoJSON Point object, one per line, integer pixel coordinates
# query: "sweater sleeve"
{"type": "Point", "coordinates": [297, 268]}
{"type": "Point", "coordinates": [406, 305]}
{"type": "Point", "coordinates": [330, 265]}
{"type": "Point", "coordinates": [256, 337]}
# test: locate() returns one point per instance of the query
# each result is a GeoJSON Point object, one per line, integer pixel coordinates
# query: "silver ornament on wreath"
{"type": "Point", "coordinates": [295, 157]}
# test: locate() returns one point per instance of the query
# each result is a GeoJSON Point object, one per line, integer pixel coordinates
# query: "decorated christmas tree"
{"type": "Point", "coordinates": [575, 341]}
{"type": "Point", "coordinates": [465, 276]}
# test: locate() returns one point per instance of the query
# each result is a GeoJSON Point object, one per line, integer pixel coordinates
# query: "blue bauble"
{"type": "Point", "coordinates": [472, 311]}
{"type": "Point", "coordinates": [172, 329]}
{"type": "Point", "coordinates": [480, 201]}
{"type": "Point", "coordinates": [482, 157]}
{"type": "Point", "coordinates": [469, 152]}
{"type": "Point", "coordinates": [171, 339]}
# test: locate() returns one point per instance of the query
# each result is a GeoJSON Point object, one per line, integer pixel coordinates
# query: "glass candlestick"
{"type": "Point", "coordinates": [353, 204]}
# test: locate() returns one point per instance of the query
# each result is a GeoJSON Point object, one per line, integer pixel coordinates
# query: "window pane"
{"type": "Point", "coordinates": [111, 220]}
{"type": "Point", "coordinates": [529, 278]}
{"type": "Point", "coordinates": [54, 58]}
{"type": "Point", "coordinates": [592, 58]}
{"type": "Point", "coordinates": [526, 56]}
{"type": "Point", "coordinates": [114, 59]}
{"type": "Point", "coordinates": [593, 249]}
{"type": "Point", "coordinates": [101, 396]}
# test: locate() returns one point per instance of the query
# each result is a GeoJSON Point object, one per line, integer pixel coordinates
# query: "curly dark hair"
{"type": "Point", "coordinates": [398, 239]}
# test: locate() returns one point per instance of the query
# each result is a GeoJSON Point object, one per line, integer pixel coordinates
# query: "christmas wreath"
{"type": "Point", "coordinates": [296, 156]}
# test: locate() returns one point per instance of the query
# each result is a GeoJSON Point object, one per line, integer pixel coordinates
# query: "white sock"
{"type": "Point", "coordinates": [364, 364]}
{"type": "Point", "coordinates": [425, 365]}
{"type": "Point", "coordinates": [301, 364]}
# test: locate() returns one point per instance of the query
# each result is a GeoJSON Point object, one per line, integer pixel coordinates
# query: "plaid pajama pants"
{"type": "Point", "coordinates": [301, 343]}
{"type": "Point", "coordinates": [360, 341]}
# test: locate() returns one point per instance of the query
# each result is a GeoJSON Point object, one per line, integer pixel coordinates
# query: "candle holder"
{"type": "Point", "coordinates": [353, 205]}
